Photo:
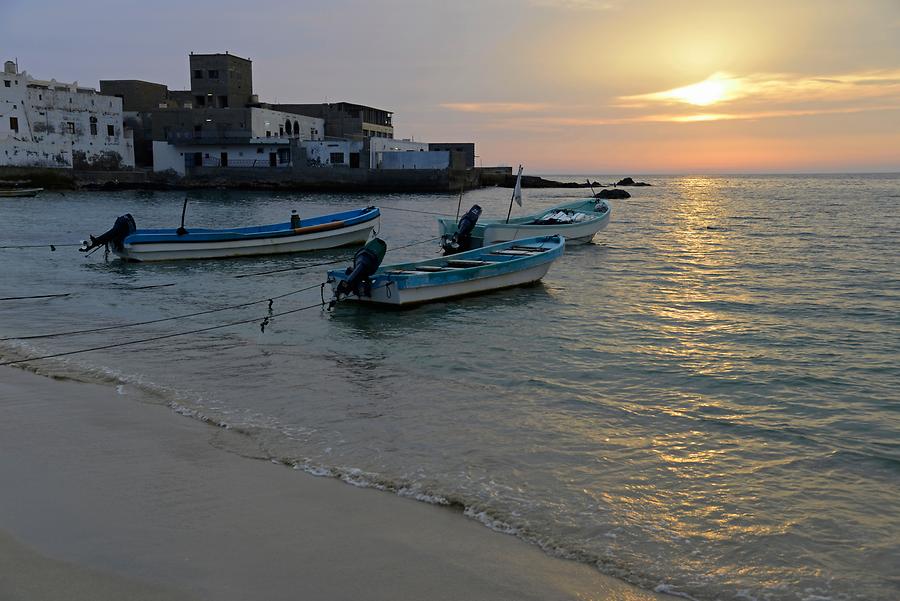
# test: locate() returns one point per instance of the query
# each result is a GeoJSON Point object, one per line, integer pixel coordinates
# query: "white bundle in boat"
{"type": "Point", "coordinates": [563, 217]}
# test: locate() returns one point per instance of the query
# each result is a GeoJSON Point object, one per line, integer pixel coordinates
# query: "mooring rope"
{"type": "Point", "coordinates": [299, 267]}
{"type": "Point", "coordinates": [164, 336]}
{"type": "Point", "coordinates": [160, 320]}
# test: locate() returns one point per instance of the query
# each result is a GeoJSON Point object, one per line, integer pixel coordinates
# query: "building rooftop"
{"type": "Point", "coordinates": [226, 53]}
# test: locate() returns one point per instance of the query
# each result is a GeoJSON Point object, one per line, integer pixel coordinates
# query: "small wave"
{"type": "Point", "coordinates": [669, 589]}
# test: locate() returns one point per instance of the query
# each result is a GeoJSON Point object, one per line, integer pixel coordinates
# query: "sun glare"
{"type": "Point", "coordinates": [715, 88]}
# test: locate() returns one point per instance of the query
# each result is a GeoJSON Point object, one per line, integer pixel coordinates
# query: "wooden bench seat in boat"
{"type": "Point", "coordinates": [466, 263]}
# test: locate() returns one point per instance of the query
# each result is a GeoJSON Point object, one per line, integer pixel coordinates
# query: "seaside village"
{"type": "Point", "coordinates": [219, 129]}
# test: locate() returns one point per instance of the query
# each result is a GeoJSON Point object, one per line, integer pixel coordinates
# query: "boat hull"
{"type": "Point", "coordinates": [392, 295]}
{"type": "Point", "coordinates": [474, 272]}
{"type": "Point", "coordinates": [575, 233]}
{"type": "Point", "coordinates": [170, 251]}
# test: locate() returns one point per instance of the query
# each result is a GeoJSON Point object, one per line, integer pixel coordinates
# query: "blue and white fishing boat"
{"type": "Point", "coordinates": [481, 270]}
{"type": "Point", "coordinates": [315, 233]}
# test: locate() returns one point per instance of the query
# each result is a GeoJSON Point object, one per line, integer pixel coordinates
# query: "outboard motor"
{"type": "Point", "coordinates": [460, 240]}
{"type": "Point", "coordinates": [365, 263]}
{"type": "Point", "coordinates": [121, 229]}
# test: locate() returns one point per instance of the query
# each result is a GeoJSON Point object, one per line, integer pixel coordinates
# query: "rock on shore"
{"type": "Point", "coordinates": [627, 181]}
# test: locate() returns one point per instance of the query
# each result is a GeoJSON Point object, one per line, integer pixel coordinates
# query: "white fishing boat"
{"type": "Point", "coordinates": [578, 222]}
{"type": "Point", "coordinates": [316, 233]}
{"type": "Point", "coordinates": [474, 272]}
{"type": "Point", "coordinates": [20, 192]}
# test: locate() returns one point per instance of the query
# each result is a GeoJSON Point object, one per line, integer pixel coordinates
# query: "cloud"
{"type": "Point", "coordinates": [719, 97]}
{"type": "Point", "coordinates": [724, 88]}
{"type": "Point", "coordinates": [550, 123]}
{"type": "Point", "coordinates": [495, 107]}
{"type": "Point", "coordinates": [574, 4]}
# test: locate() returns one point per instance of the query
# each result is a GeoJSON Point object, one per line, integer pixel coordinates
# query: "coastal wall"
{"type": "Point", "coordinates": [311, 178]}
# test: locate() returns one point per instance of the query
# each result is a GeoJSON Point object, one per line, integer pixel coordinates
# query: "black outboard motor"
{"type": "Point", "coordinates": [461, 239]}
{"type": "Point", "coordinates": [365, 263]}
{"type": "Point", "coordinates": [121, 229]}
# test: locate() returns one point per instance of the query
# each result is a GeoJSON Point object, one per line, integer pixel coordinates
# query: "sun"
{"type": "Point", "coordinates": [703, 93]}
{"type": "Point", "coordinates": [715, 88]}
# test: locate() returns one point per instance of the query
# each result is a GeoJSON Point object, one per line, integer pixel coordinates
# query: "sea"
{"type": "Point", "coordinates": [705, 401]}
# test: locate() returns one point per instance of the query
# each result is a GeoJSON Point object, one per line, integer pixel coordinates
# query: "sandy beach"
{"type": "Point", "coordinates": [108, 497]}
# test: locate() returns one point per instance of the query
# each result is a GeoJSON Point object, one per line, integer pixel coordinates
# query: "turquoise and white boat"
{"type": "Point", "coordinates": [481, 270]}
{"type": "Point", "coordinates": [577, 221]}
{"type": "Point", "coordinates": [315, 233]}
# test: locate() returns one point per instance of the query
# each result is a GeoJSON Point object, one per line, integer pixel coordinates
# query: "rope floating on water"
{"type": "Point", "coordinates": [9, 298]}
{"type": "Point", "coordinates": [162, 337]}
{"type": "Point", "coordinates": [48, 245]}
{"type": "Point", "coordinates": [415, 211]}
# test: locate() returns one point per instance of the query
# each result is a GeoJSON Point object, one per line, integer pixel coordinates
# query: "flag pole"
{"type": "Point", "coordinates": [517, 189]}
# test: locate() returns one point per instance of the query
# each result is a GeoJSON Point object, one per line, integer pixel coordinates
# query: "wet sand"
{"type": "Point", "coordinates": [107, 497]}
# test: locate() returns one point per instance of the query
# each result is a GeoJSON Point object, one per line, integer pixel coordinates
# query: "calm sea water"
{"type": "Point", "coordinates": [705, 401]}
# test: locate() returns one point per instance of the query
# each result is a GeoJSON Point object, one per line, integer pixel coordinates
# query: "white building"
{"type": "Point", "coordinates": [333, 153]}
{"type": "Point", "coordinates": [231, 137]}
{"type": "Point", "coordinates": [388, 153]}
{"type": "Point", "coordinates": [256, 152]}
{"type": "Point", "coordinates": [54, 124]}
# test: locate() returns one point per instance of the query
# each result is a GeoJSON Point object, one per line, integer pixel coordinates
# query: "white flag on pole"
{"type": "Point", "coordinates": [517, 193]}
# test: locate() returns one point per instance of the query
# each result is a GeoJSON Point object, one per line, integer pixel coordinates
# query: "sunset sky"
{"type": "Point", "coordinates": [563, 86]}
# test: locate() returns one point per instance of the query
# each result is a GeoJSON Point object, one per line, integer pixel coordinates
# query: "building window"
{"type": "Point", "coordinates": [214, 74]}
{"type": "Point", "coordinates": [280, 131]}
{"type": "Point", "coordinates": [268, 134]}
{"type": "Point", "coordinates": [223, 102]}
{"type": "Point", "coordinates": [201, 100]}
{"type": "Point", "coordinates": [93, 126]}
{"type": "Point", "coordinates": [337, 158]}
{"type": "Point", "coordinates": [70, 127]}
{"type": "Point", "coordinates": [198, 74]}
{"type": "Point", "coordinates": [259, 150]}
{"type": "Point", "coordinates": [6, 82]}
{"type": "Point", "coordinates": [14, 124]}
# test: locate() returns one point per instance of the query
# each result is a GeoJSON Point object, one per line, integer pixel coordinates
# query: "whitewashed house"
{"type": "Point", "coordinates": [55, 124]}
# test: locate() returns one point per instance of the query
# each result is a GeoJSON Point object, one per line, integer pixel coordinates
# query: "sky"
{"type": "Point", "coordinates": [561, 86]}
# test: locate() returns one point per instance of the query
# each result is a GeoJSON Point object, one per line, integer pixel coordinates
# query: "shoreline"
{"type": "Point", "coordinates": [118, 494]}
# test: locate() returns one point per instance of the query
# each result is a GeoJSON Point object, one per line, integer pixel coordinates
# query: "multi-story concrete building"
{"type": "Point", "coordinates": [55, 124]}
{"type": "Point", "coordinates": [245, 137]}
{"type": "Point", "coordinates": [221, 81]}
{"type": "Point", "coordinates": [346, 119]}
